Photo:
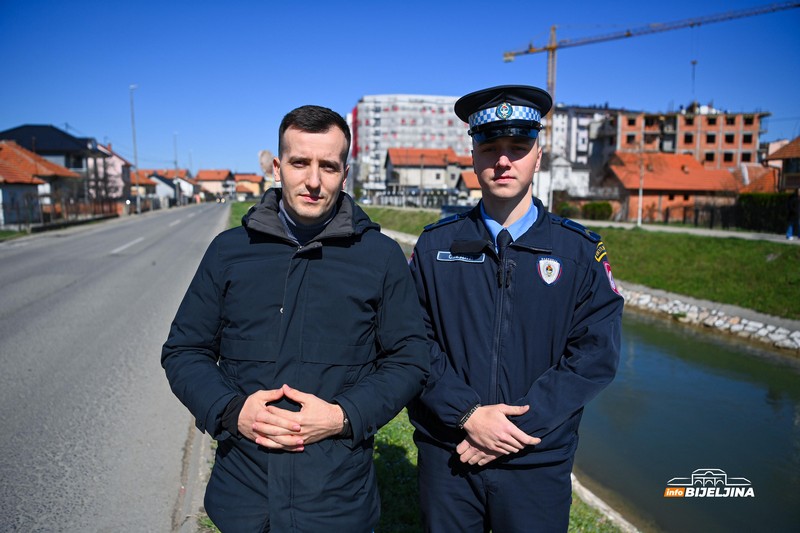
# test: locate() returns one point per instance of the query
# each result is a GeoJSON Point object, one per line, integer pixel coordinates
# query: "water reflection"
{"type": "Point", "coordinates": [684, 400]}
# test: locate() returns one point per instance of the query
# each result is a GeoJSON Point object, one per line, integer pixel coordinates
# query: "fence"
{"type": "Point", "coordinates": [29, 213]}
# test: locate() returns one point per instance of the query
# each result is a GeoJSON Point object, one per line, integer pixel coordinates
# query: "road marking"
{"type": "Point", "coordinates": [176, 222]}
{"type": "Point", "coordinates": [124, 246]}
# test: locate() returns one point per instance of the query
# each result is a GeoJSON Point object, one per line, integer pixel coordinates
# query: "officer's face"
{"type": "Point", "coordinates": [505, 166]}
{"type": "Point", "coordinates": [312, 173]}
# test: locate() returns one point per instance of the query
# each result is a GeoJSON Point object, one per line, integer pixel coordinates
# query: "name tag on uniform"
{"type": "Point", "coordinates": [446, 255]}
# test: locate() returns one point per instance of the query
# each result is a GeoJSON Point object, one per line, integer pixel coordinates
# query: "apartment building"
{"type": "Point", "coordinates": [380, 122]}
{"type": "Point", "coordinates": [717, 139]}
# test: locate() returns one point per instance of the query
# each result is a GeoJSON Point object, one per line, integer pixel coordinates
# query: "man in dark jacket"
{"type": "Point", "coordinates": [299, 336]}
{"type": "Point", "coordinates": [523, 317]}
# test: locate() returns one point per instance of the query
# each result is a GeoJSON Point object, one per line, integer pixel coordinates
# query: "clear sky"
{"type": "Point", "coordinates": [215, 78]}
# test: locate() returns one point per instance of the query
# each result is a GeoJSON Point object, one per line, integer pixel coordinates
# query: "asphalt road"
{"type": "Point", "coordinates": [92, 438]}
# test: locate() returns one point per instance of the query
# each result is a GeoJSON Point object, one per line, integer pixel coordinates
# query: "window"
{"type": "Point", "coordinates": [727, 157]}
{"type": "Point", "coordinates": [438, 175]}
{"type": "Point", "coordinates": [746, 157]}
{"type": "Point", "coordinates": [747, 138]}
{"type": "Point", "coordinates": [711, 138]}
{"type": "Point", "coordinates": [686, 197]}
{"type": "Point", "coordinates": [688, 138]}
{"type": "Point", "coordinates": [729, 138]}
{"type": "Point", "coordinates": [712, 121]}
{"type": "Point", "coordinates": [748, 121]}
{"type": "Point", "coordinates": [690, 121]}
{"type": "Point", "coordinates": [710, 157]}
{"type": "Point", "coordinates": [630, 139]}
{"type": "Point", "coordinates": [631, 121]}
{"type": "Point", "coordinates": [730, 121]}
{"type": "Point", "coordinates": [671, 197]}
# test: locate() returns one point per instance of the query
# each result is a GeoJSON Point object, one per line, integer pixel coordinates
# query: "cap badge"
{"type": "Point", "coordinates": [504, 110]}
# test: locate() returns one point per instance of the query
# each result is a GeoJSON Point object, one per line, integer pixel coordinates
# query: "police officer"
{"type": "Point", "coordinates": [523, 318]}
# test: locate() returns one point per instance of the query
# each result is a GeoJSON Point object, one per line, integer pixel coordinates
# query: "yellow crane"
{"type": "Point", "coordinates": [553, 44]}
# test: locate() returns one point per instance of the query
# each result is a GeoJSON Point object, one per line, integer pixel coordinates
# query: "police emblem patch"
{"type": "Point", "coordinates": [610, 276]}
{"type": "Point", "coordinates": [504, 110]}
{"type": "Point", "coordinates": [549, 269]}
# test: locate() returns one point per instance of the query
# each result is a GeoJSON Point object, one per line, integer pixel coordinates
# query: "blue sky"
{"type": "Point", "coordinates": [217, 77]}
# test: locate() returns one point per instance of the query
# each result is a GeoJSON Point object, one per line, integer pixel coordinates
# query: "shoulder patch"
{"type": "Point", "coordinates": [577, 228]}
{"type": "Point", "coordinates": [445, 221]}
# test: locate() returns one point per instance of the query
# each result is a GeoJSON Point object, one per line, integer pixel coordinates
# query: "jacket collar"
{"type": "Point", "coordinates": [473, 237]}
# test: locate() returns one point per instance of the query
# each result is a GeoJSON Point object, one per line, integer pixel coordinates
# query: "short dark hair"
{"type": "Point", "coordinates": [314, 119]}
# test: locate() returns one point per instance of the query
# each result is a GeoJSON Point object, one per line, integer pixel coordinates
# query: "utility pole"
{"type": "Point", "coordinates": [135, 155]}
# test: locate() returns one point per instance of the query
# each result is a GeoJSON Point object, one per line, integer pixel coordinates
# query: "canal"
{"type": "Point", "coordinates": [684, 401]}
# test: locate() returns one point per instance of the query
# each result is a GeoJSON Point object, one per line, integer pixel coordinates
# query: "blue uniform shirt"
{"type": "Point", "coordinates": [516, 229]}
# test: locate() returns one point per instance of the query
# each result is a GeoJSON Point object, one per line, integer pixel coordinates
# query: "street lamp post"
{"type": "Point", "coordinates": [135, 154]}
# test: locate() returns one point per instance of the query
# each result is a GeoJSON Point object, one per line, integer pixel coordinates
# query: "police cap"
{"type": "Point", "coordinates": [504, 111]}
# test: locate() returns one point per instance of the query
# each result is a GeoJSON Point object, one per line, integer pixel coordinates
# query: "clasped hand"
{"type": "Point", "coordinates": [279, 429]}
{"type": "Point", "coordinates": [490, 434]}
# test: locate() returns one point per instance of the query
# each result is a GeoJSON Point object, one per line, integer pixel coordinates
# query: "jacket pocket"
{"type": "Point", "coordinates": [248, 349]}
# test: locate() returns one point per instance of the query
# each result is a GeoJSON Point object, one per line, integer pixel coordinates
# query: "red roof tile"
{"type": "Point", "coordinates": [212, 175]}
{"type": "Point", "coordinates": [790, 151]}
{"type": "Point", "coordinates": [427, 157]}
{"type": "Point", "coordinates": [18, 165]}
{"type": "Point", "coordinates": [758, 177]}
{"type": "Point", "coordinates": [669, 172]}
{"type": "Point", "coordinates": [255, 178]}
{"type": "Point", "coordinates": [470, 180]}
{"type": "Point", "coordinates": [140, 178]}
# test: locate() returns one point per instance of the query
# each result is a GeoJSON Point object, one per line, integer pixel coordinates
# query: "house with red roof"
{"type": "Point", "coordinates": [469, 186]}
{"type": "Point", "coordinates": [216, 184]}
{"type": "Point", "coordinates": [671, 185]}
{"type": "Point", "coordinates": [27, 181]}
{"type": "Point", "coordinates": [789, 155]}
{"type": "Point", "coordinates": [248, 186]}
{"type": "Point", "coordinates": [433, 171]}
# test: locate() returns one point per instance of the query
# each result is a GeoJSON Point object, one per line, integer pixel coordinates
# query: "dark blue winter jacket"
{"type": "Point", "coordinates": [337, 318]}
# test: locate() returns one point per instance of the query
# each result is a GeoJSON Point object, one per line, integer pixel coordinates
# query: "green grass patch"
{"type": "Point", "coordinates": [406, 220]}
{"type": "Point", "coordinates": [5, 234]}
{"type": "Point", "coordinates": [238, 210]}
{"type": "Point", "coordinates": [759, 275]}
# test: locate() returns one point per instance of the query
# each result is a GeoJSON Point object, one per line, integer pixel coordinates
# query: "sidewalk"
{"type": "Point", "coordinates": [735, 234]}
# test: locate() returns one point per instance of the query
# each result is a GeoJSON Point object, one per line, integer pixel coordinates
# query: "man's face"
{"type": "Point", "coordinates": [312, 173]}
{"type": "Point", "coordinates": [505, 166]}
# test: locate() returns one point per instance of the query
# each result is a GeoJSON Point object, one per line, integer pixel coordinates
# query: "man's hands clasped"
{"type": "Point", "coordinates": [490, 434]}
{"type": "Point", "coordinates": [279, 429]}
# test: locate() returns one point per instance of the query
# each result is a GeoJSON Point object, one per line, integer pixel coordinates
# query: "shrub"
{"type": "Point", "coordinates": [567, 210]}
{"type": "Point", "coordinates": [596, 211]}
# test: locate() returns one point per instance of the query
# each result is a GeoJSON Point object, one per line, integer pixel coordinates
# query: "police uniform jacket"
{"type": "Point", "coordinates": [337, 318]}
{"type": "Point", "coordinates": [540, 329]}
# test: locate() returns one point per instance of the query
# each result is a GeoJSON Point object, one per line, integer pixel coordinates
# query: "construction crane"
{"type": "Point", "coordinates": [554, 45]}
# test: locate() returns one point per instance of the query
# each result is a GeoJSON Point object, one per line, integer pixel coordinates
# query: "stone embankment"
{"type": "Point", "coordinates": [777, 332]}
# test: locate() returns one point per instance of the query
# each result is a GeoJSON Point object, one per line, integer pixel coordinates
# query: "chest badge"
{"type": "Point", "coordinates": [446, 255]}
{"type": "Point", "coordinates": [549, 269]}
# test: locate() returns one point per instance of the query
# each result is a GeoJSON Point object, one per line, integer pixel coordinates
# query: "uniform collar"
{"type": "Point", "coordinates": [474, 237]}
{"type": "Point", "coordinates": [517, 229]}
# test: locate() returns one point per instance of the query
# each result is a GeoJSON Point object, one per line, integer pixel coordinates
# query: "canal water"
{"type": "Point", "coordinates": [685, 401]}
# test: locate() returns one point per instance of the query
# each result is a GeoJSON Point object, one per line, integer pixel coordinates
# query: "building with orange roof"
{"type": "Point", "coordinates": [108, 177]}
{"type": "Point", "coordinates": [428, 169]}
{"type": "Point", "coordinates": [248, 185]}
{"type": "Point", "coordinates": [469, 185]}
{"type": "Point", "coordinates": [216, 183]}
{"type": "Point", "coordinates": [380, 122]}
{"type": "Point", "coordinates": [672, 184]}
{"type": "Point", "coordinates": [789, 155]}
{"type": "Point", "coordinates": [27, 181]}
